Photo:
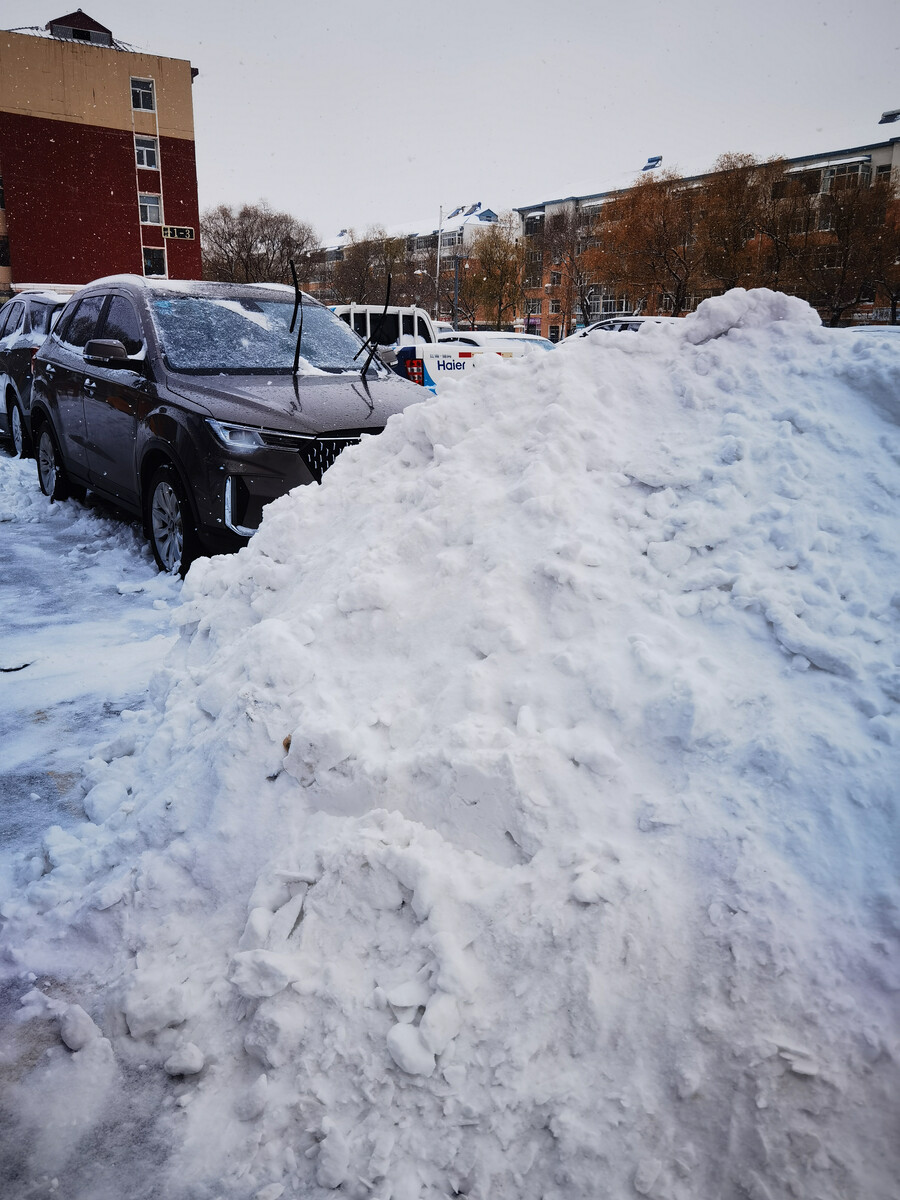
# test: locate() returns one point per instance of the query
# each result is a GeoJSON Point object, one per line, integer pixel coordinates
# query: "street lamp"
{"type": "Point", "coordinates": [457, 259]}
{"type": "Point", "coordinates": [437, 267]}
{"type": "Point", "coordinates": [887, 118]}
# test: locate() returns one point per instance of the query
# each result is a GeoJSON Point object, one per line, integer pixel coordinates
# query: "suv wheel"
{"type": "Point", "coordinates": [173, 535]}
{"type": "Point", "coordinates": [18, 432]}
{"type": "Point", "coordinates": [51, 473]}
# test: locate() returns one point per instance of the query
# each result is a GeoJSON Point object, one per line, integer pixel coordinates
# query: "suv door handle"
{"type": "Point", "coordinates": [89, 385]}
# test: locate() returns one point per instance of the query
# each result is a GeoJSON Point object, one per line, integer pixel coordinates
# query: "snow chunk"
{"type": "Point", "coordinates": [188, 1059]}
{"type": "Point", "coordinates": [408, 1050]}
{"type": "Point", "coordinates": [76, 1028]}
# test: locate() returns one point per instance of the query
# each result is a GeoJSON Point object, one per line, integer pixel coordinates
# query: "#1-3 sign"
{"type": "Point", "coordinates": [181, 232]}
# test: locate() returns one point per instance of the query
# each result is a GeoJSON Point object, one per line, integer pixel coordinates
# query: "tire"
{"type": "Point", "coordinates": [51, 472]}
{"type": "Point", "coordinates": [18, 430]}
{"type": "Point", "coordinates": [170, 523]}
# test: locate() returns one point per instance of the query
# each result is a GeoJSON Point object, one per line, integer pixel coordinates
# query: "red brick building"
{"type": "Point", "coordinates": [97, 166]}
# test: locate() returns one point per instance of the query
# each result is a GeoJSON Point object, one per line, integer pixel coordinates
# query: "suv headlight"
{"type": "Point", "coordinates": [236, 437]}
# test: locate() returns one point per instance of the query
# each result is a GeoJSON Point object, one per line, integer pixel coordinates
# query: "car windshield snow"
{"type": "Point", "coordinates": [240, 335]}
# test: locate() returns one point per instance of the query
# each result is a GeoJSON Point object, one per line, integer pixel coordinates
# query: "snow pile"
{"type": "Point", "coordinates": [520, 813]}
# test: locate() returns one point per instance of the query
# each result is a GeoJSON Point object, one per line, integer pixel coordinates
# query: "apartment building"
{"type": "Point", "coordinates": [551, 312]}
{"type": "Point", "coordinates": [456, 231]}
{"type": "Point", "coordinates": [97, 167]}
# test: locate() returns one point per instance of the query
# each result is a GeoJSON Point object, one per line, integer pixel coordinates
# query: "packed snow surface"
{"type": "Point", "coordinates": [518, 815]}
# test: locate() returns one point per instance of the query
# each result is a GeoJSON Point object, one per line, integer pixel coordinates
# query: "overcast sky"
{"type": "Point", "coordinates": [356, 112]}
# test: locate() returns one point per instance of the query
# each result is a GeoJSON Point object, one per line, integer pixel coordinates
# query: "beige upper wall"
{"type": "Point", "coordinates": [91, 85]}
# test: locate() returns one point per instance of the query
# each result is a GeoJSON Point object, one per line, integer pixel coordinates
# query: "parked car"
{"type": "Point", "coordinates": [178, 401]}
{"type": "Point", "coordinates": [24, 323]}
{"type": "Point", "coordinates": [494, 339]}
{"type": "Point", "coordinates": [876, 331]}
{"type": "Point", "coordinates": [626, 324]}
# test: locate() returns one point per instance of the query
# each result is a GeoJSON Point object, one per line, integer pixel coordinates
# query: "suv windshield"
{"type": "Point", "coordinates": [239, 335]}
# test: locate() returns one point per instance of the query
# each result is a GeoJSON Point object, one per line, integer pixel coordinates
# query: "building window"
{"type": "Point", "coordinates": [555, 278]}
{"type": "Point", "coordinates": [825, 218]}
{"type": "Point", "coordinates": [555, 306]}
{"type": "Point", "coordinates": [882, 175]}
{"type": "Point", "coordinates": [151, 210]}
{"type": "Point", "coordinates": [533, 306]}
{"type": "Point", "coordinates": [154, 261]}
{"type": "Point", "coordinates": [146, 152]}
{"type": "Point", "coordinates": [606, 305]}
{"type": "Point", "coordinates": [847, 175]}
{"type": "Point", "coordinates": [142, 95]}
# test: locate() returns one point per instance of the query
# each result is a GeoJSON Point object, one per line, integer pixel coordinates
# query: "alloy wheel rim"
{"type": "Point", "coordinates": [17, 432]}
{"type": "Point", "coordinates": [167, 525]}
{"type": "Point", "coordinates": [47, 463]}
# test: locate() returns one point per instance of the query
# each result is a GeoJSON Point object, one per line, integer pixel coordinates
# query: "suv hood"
{"type": "Point", "coordinates": [311, 404]}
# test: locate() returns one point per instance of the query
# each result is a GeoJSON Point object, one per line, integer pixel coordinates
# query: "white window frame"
{"type": "Point", "coordinates": [152, 149]}
{"type": "Point", "coordinates": [150, 201]}
{"type": "Point", "coordinates": [144, 87]}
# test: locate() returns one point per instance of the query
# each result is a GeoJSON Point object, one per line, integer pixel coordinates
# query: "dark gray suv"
{"type": "Point", "coordinates": [24, 323]}
{"type": "Point", "coordinates": [179, 401]}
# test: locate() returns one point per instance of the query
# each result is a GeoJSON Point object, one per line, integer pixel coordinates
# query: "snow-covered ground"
{"type": "Point", "coordinates": [515, 816]}
{"type": "Point", "coordinates": [86, 622]}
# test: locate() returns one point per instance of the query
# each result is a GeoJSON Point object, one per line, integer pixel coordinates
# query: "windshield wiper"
{"type": "Point", "coordinates": [298, 307]}
{"type": "Point", "coordinates": [373, 339]}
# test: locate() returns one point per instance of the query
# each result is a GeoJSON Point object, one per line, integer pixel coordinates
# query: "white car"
{"type": "Point", "coordinates": [492, 339]}
{"type": "Point", "coordinates": [624, 323]}
{"type": "Point", "coordinates": [878, 331]}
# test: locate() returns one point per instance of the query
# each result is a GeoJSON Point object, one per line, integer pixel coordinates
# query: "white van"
{"type": "Point", "coordinates": [400, 327]}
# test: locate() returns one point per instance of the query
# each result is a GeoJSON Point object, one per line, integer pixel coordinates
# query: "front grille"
{"type": "Point", "coordinates": [320, 452]}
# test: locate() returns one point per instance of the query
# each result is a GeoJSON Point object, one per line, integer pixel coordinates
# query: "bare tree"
{"type": "Point", "coordinates": [650, 237]}
{"type": "Point", "coordinates": [886, 269]}
{"type": "Point", "coordinates": [252, 244]}
{"type": "Point", "coordinates": [728, 218]}
{"type": "Point", "coordinates": [568, 242]}
{"type": "Point", "coordinates": [834, 254]}
{"type": "Point", "coordinates": [501, 262]}
{"type": "Point", "coordinates": [360, 275]}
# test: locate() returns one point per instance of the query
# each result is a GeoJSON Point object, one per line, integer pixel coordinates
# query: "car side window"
{"type": "Point", "coordinates": [14, 319]}
{"type": "Point", "coordinates": [37, 318]}
{"type": "Point", "coordinates": [423, 330]}
{"type": "Point", "coordinates": [81, 327]}
{"type": "Point", "coordinates": [59, 329]}
{"type": "Point", "coordinates": [121, 324]}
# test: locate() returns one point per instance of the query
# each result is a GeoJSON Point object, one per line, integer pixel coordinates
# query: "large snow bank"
{"type": "Point", "coordinates": [519, 816]}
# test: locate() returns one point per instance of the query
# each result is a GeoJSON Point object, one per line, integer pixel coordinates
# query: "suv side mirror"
{"type": "Point", "coordinates": [105, 352]}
